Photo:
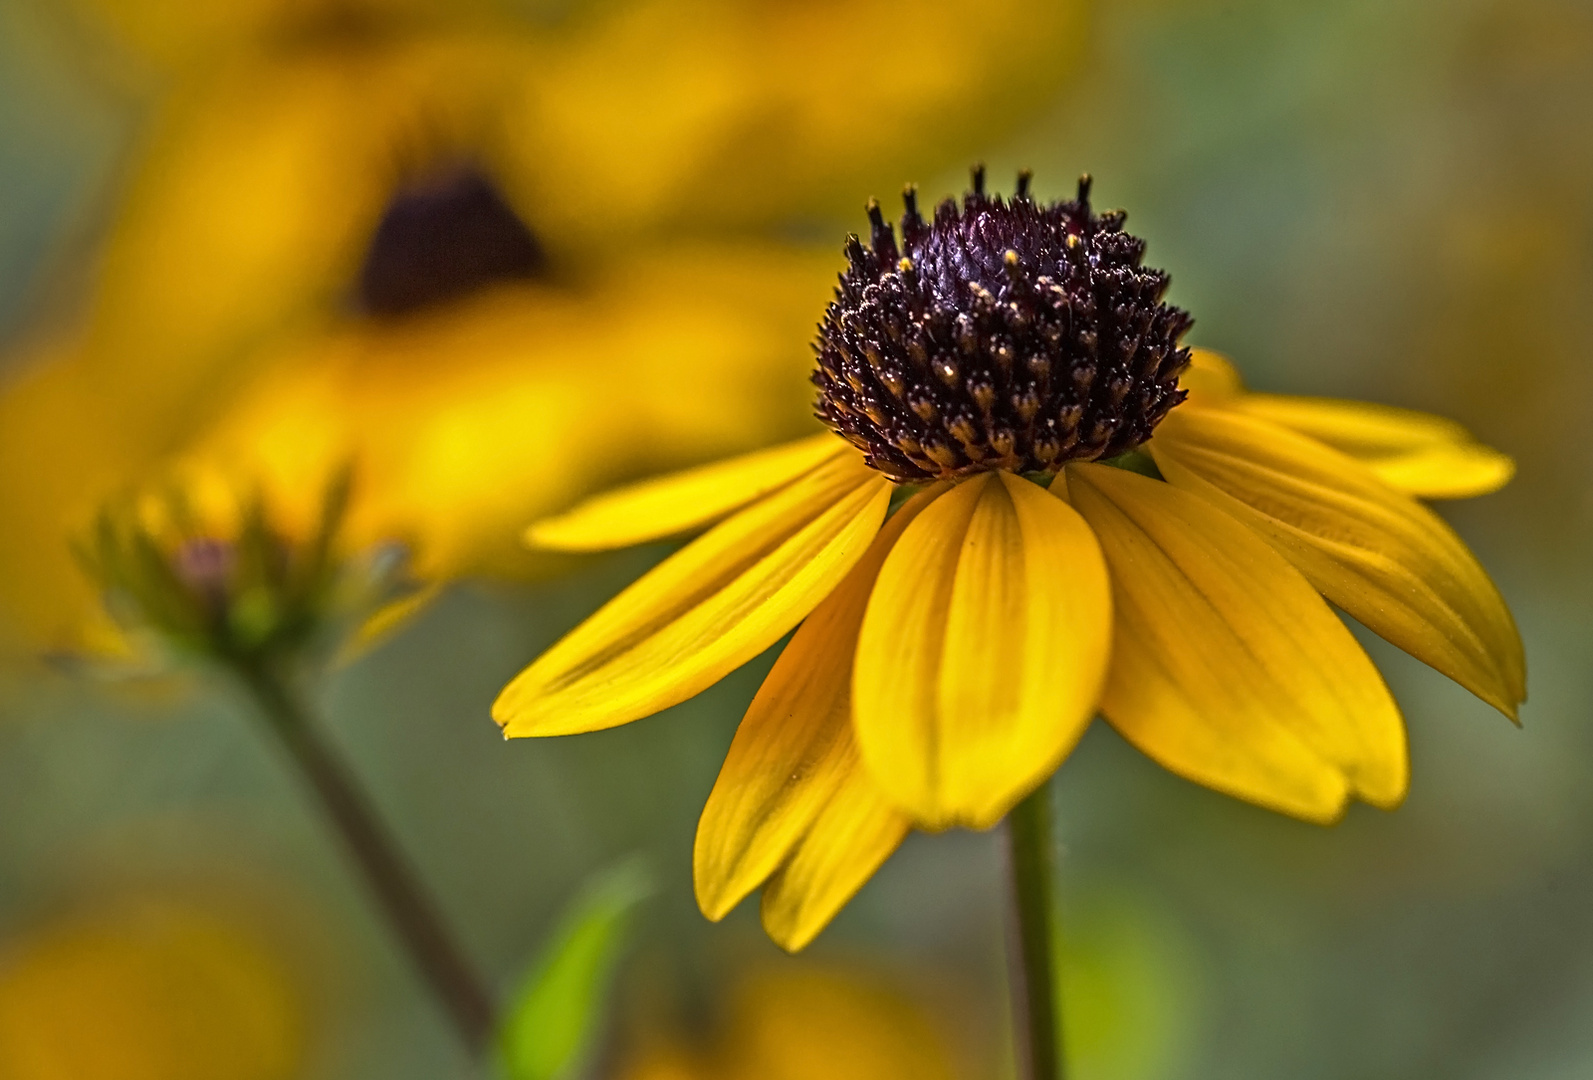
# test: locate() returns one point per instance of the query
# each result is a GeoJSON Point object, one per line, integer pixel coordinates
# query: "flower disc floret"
{"type": "Point", "coordinates": [999, 335]}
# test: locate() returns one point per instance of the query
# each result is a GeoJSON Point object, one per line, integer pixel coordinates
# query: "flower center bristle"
{"type": "Point", "coordinates": [999, 335]}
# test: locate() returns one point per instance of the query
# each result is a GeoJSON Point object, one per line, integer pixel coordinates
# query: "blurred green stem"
{"type": "Point", "coordinates": [1033, 936]}
{"type": "Point", "coordinates": [389, 877]}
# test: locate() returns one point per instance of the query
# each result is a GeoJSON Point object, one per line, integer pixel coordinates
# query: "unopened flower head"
{"type": "Point", "coordinates": [204, 571]}
{"type": "Point", "coordinates": [993, 366]}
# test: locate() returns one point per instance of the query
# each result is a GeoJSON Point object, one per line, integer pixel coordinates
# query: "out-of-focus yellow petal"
{"type": "Point", "coordinates": [386, 621]}
{"type": "Point", "coordinates": [1210, 377]}
{"type": "Point", "coordinates": [184, 33]}
{"type": "Point", "coordinates": [670, 505]}
{"type": "Point", "coordinates": [1375, 552]}
{"type": "Point", "coordinates": [61, 449]}
{"type": "Point", "coordinates": [728, 111]}
{"type": "Point", "coordinates": [1418, 453]}
{"type": "Point", "coordinates": [854, 833]}
{"type": "Point", "coordinates": [1227, 667]}
{"type": "Point", "coordinates": [794, 749]}
{"type": "Point", "coordinates": [982, 652]}
{"type": "Point", "coordinates": [706, 610]}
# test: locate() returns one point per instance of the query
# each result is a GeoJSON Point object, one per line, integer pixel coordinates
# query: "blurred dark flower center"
{"type": "Point", "coordinates": [1000, 335]}
{"type": "Point", "coordinates": [443, 238]}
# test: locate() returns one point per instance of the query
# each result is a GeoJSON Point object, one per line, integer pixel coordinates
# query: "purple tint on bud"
{"type": "Point", "coordinates": [205, 565]}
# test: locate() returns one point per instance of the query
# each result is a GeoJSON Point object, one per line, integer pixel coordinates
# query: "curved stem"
{"type": "Point", "coordinates": [391, 881]}
{"type": "Point", "coordinates": [1033, 938]}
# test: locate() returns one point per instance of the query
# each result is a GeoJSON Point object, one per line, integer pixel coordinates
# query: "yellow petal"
{"type": "Point", "coordinates": [1210, 377]}
{"type": "Point", "coordinates": [794, 748]}
{"type": "Point", "coordinates": [706, 610]}
{"type": "Point", "coordinates": [668, 505]}
{"type": "Point", "coordinates": [729, 114]}
{"type": "Point", "coordinates": [982, 651]}
{"type": "Point", "coordinates": [1420, 454]}
{"type": "Point", "coordinates": [855, 832]}
{"type": "Point", "coordinates": [386, 621]}
{"type": "Point", "coordinates": [1379, 554]}
{"type": "Point", "coordinates": [1227, 667]}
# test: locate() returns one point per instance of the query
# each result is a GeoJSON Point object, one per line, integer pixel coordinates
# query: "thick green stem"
{"type": "Point", "coordinates": [390, 879]}
{"type": "Point", "coordinates": [1033, 937]}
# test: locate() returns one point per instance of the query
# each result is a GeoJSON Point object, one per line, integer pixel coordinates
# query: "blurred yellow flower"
{"type": "Point", "coordinates": [461, 248]}
{"type": "Point", "coordinates": [801, 1024]}
{"type": "Point", "coordinates": [951, 654]}
{"type": "Point", "coordinates": [150, 991]}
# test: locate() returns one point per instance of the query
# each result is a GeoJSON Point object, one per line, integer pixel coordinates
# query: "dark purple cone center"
{"type": "Point", "coordinates": [443, 239]}
{"type": "Point", "coordinates": [999, 335]}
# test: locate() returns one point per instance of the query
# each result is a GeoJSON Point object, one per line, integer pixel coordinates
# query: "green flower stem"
{"type": "Point", "coordinates": [1033, 936]}
{"type": "Point", "coordinates": [390, 879]}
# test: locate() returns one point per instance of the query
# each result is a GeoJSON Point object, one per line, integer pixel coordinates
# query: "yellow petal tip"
{"type": "Point", "coordinates": [1388, 802]}
{"type": "Point", "coordinates": [715, 886]}
{"type": "Point", "coordinates": [715, 906]}
{"type": "Point", "coordinates": [791, 939]}
{"type": "Point", "coordinates": [553, 534]}
{"type": "Point", "coordinates": [1323, 814]}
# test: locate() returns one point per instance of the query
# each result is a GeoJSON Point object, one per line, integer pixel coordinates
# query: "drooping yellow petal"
{"type": "Point", "coordinates": [1227, 667]}
{"type": "Point", "coordinates": [1418, 453]}
{"type": "Point", "coordinates": [982, 651]}
{"type": "Point", "coordinates": [854, 833]}
{"type": "Point", "coordinates": [706, 610]}
{"type": "Point", "coordinates": [669, 505]}
{"type": "Point", "coordinates": [794, 749]}
{"type": "Point", "coordinates": [1377, 553]}
{"type": "Point", "coordinates": [1210, 377]}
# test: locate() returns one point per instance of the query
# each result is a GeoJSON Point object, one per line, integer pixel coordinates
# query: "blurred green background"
{"type": "Point", "coordinates": [1389, 200]}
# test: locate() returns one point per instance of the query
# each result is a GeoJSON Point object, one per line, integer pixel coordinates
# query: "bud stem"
{"type": "Point", "coordinates": [391, 880]}
{"type": "Point", "coordinates": [1033, 939]}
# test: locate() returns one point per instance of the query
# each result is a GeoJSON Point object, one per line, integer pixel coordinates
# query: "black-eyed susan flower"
{"type": "Point", "coordinates": [426, 237]}
{"type": "Point", "coordinates": [1088, 517]}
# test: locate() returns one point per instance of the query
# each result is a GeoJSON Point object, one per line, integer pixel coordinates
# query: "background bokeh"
{"type": "Point", "coordinates": [1385, 199]}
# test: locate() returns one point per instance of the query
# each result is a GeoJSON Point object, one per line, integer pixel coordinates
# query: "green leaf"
{"type": "Point", "coordinates": [550, 1026]}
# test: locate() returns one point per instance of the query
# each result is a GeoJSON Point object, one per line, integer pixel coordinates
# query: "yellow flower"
{"type": "Point", "coordinates": [148, 990]}
{"type": "Point", "coordinates": [951, 653]}
{"type": "Point", "coordinates": [800, 1024]}
{"type": "Point", "coordinates": [634, 157]}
